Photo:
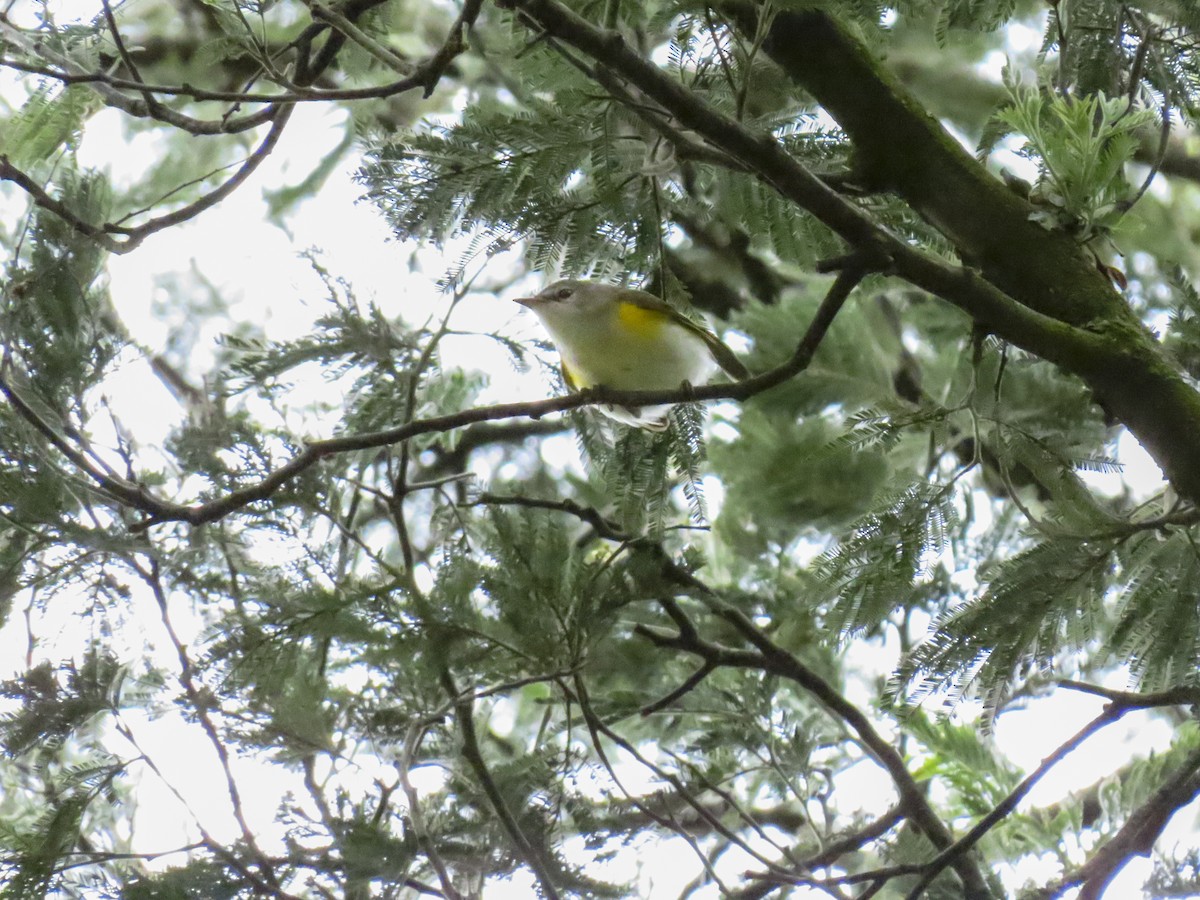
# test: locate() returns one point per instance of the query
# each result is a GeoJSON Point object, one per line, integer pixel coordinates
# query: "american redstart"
{"type": "Point", "coordinates": [627, 339]}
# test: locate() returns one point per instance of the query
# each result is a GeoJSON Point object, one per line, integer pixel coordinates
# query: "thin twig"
{"type": "Point", "coordinates": [134, 236]}
{"type": "Point", "coordinates": [400, 486]}
{"type": "Point", "coordinates": [95, 857]}
{"type": "Point", "coordinates": [412, 740]}
{"type": "Point", "coordinates": [770, 657]}
{"type": "Point", "coordinates": [1005, 807]}
{"type": "Point", "coordinates": [689, 684]}
{"type": "Point", "coordinates": [667, 819]}
{"type": "Point", "coordinates": [464, 713]}
{"type": "Point", "coordinates": [765, 882]}
{"type": "Point", "coordinates": [604, 527]}
{"type": "Point", "coordinates": [295, 94]}
{"type": "Point", "coordinates": [1137, 836]}
{"type": "Point", "coordinates": [386, 55]}
{"type": "Point", "coordinates": [152, 103]}
{"type": "Point", "coordinates": [158, 510]}
{"type": "Point", "coordinates": [151, 575]}
{"type": "Point", "coordinates": [9, 172]}
{"type": "Point", "coordinates": [209, 842]}
{"type": "Point", "coordinates": [1177, 696]}
{"type": "Point", "coordinates": [424, 76]}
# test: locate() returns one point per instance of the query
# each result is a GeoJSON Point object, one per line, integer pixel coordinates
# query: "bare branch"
{"type": "Point", "coordinates": [209, 842]}
{"type": "Point", "coordinates": [770, 657]}
{"type": "Point", "coordinates": [1128, 700]}
{"type": "Point", "coordinates": [412, 740]}
{"type": "Point", "coordinates": [103, 234]}
{"type": "Point", "coordinates": [1137, 836]}
{"type": "Point", "coordinates": [464, 713]}
{"type": "Point", "coordinates": [690, 684]}
{"type": "Point", "coordinates": [70, 72]}
{"type": "Point", "coordinates": [200, 705]}
{"type": "Point", "coordinates": [9, 172]}
{"type": "Point", "coordinates": [152, 103]}
{"type": "Point", "coordinates": [386, 55]}
{"type": "Point", "coordinates": [1006, 806]}
{"type": "Point", "coordinates": [424, 76]}
{"type": "Point", "coordinates": [135, 236]}
{"type": "Point", "coordinates": [764, 883]}
{"type": "Point", "coordinates": [592, 516]}
{"type": "Point", "coordinates": [598, 728]}
{"type": "Point", "coordinates": [157, 510]}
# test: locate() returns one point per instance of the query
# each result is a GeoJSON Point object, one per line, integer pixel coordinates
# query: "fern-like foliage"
{"type": "Point", "coordinates": [974, 15]}
{"type": "Point", "coordinates": [49, 121]}
{"type": "Point", "coordinates": [55, 316]}
{"type": "Point", "coordinates": [1183, 328]}
{"type": "Point", "coordinates": [564, 176]}
{"type": "Point", "coordinates": [1037, 601]}
{"type": "Point", "coordinates": [1161, 578]}
{"type": "Point", "coordinates": [890, 558]}
{"type": "Point", "coordinates": [1146, 52]}
{"type": "Point", "coordinates": [1081, 146]}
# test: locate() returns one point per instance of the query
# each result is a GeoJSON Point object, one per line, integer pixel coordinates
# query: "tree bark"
{"type": "Point", "coordinates": [899, 147]}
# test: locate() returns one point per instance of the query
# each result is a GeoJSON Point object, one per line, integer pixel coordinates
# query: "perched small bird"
{"type": "Point", "coordinates": [627, 340]}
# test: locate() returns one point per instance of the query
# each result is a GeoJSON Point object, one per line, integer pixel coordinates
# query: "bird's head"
{"type": "Point", "coordinates": [570, 296]}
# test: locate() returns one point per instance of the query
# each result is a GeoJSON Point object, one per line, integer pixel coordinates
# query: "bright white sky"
{"type": "Point", "coordinates": [256, 268]}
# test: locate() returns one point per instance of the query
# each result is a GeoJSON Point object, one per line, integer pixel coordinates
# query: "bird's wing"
{"type": "Point", "coordinates": [722, 354]}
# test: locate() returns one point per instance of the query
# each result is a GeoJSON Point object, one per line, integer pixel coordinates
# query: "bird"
{"type": "Point", "coordinates": [626, 339]}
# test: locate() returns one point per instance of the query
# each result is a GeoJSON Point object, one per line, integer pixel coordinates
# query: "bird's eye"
{"type": "Point", "coordinates": [563, 293]}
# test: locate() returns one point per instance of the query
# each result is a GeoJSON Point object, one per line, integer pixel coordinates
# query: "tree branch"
{"type": "Point", "coordinates": [606, 528]}
{"type": "Point", "coordinates": [453, 460]}
{"type": "Point", "coordinates": [770, 657]}
{"type": "Point", "coordinates": [1137, 836]}
{"type": "Point", "coordinates": [200, 705]}
{"type": "Point", "coordinates": [69, 72]}
{"type": "Point", "coordinates": [157, 510]}
{"type": "Point", "coordinates": [9, 172]}
{"type": "Point", "coordinates": [425, 76]}
{"type": "Point", "coordinates": [766, 882]}
{"type": "Point", "coordinates": [1183, 695]}
{"type": "Point", "coordinates": [1058, 306]}
{"type": "Point", "coordinates": [598, 728]}
{"type": "Point", "coordinates": [412, 739]}
{"type": "Point", "coordinates": [689, 684]}
{"type": "Point", "coordinates": [470, 750]}
{"type": "Point", "coordinates": [133, 237]}
{"type": "Point", "coordinates": [1005, 807]}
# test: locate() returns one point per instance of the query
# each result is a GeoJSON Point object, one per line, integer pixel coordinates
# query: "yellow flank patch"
{"type": "Point", "coordinates": [569, 377]}
{"type": "Point", "coordinates": [641, 321]}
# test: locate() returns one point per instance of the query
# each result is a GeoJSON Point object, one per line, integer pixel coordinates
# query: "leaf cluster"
{"type": "Point", "coordinates": [478, 656]}
{"type": "Point", "coordinates": [1081, 146]}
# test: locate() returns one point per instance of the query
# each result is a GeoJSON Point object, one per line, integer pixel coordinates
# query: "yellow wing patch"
{"type": "Point", "coordinates": [645, 314]}
{"type": "Point", "coordinates": [641, 321]}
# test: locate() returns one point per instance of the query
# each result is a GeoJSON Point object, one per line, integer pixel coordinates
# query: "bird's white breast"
{"type": "Point", "coordinates": [600, 349]}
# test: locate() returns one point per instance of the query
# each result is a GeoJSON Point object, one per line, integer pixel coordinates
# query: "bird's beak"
{"type": "Point", "coordinates": [527, 302]}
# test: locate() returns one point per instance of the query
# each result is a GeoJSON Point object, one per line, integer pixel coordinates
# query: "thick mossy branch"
{"type": "Point", "coordinates": [1038, 289]}
{"type": "Point", "coordinates": [900, 147]}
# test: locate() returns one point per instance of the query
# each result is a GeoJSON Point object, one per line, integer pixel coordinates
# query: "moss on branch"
{"type": "Point", "coordinates": [900, 147]}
